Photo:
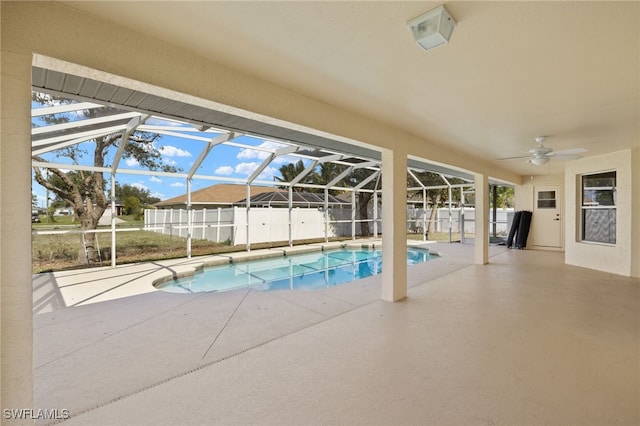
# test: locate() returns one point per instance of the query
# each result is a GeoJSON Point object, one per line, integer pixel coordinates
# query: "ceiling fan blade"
{"type": "Point", "coordinates": [571, 151]}
{"type": "Point", "coordinates": [567, 156]}
{"type": "Point", "coordinates": [514, 158]}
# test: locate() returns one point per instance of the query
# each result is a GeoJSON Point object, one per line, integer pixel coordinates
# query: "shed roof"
{"type": "Point", "coordinates": [222, 193]}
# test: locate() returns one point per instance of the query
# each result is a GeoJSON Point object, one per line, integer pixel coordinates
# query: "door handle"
{"type": "Point", "coordinates": [557, 218]}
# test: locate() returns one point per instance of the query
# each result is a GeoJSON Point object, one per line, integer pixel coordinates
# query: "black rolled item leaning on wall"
{"type": "Point", "coordinates": [514, 227]}
{"type": "Point", "coordinates": [519, 229]}
{"type": "Point", "coordinates": [523, 230]}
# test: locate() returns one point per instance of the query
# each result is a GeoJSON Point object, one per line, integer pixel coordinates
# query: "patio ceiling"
{"type": "Point", "coordinates": [512, 71]}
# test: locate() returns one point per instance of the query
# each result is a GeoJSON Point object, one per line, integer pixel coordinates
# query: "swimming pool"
{"type": "Point", "coordinates": [308, 271]}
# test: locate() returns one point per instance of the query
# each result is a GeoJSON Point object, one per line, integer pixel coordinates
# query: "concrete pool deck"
{"type": "Point", "coordinates": [525, 339]}
{"type": "Point", "coordinates": [99, 284]}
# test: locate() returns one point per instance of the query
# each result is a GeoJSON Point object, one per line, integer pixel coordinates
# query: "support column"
{"type": "Point", "coordinates": [425, 230]}
{"type": "Point", "coordinates": [113, 220]}
{"type": "Point", "coordinates": [481, 245]}
{"type": "Point", "coordinates": [494, 209]}
{"type": "Point", "coordinates": [394, 229]}
{"type": "Point", "coordinates": [189, 219]}
{"type": "Point", "coordinates": [16, 297]}
{"type": "Point", "coordinates": [248, 207]}
{"type": "Point", "coordinates": [290, 216]}
{"type": "Point", "coordinates": [326, 215]}
{"type": "Point", "coordinates": [375, 212]}
{"type": "Point", "coordinates": [353, 215]}
{"type": "Point", "coordinates": [450, 215]}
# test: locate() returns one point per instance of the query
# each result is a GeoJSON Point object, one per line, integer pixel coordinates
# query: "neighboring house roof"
{"type": "Point", "coordinates": [299, 199]}
{"type": "Point", "coordinates": [220, 194]}
{"type": "Point", "coordinates": [345, 197]}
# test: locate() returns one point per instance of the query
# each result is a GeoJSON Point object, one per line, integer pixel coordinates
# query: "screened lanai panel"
{"type": "Point", "coordinates": [58, 130]}
{"type": "Point", "coordinates": [65, 84]}
{"type": "Point", "coordinates": [217, 162]}
{"type": "Point", "coordinates": [84, 89]}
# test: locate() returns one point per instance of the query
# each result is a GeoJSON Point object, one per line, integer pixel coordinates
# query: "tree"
{"type": "Point", "coordinates": [143, 195]}
{"type": "Point", "coordinates": [288, 172]}
{"type": "Point", "coordinates": [132, 205]}
{"type": "Point", "coordinates": [435, 196]}
{"type": "Point", "coordinates": [354, 179]}
{"type": "Point", "coordinates": [505, 196]}
{"type": "Point", "coordinates": [85, 190]}
{"type": "Point", "coordinates": [328, 172]}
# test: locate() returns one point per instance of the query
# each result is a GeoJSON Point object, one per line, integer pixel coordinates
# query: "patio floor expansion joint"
{"type": "Point", "coordinates": [203, 366]}
{"type": "Point", "coordinates": [115, 333]}
{"type": "Point", "coordinates": [226, 323]}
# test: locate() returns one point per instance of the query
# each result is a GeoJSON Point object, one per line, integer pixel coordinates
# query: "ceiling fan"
{"type": "Point", "coordinates": [542, 154]}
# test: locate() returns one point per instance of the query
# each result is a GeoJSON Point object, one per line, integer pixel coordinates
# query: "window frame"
{"type": "Point", "coordinates": [585, 207]}
{"type": "Point", "coordinates": [547, 201]}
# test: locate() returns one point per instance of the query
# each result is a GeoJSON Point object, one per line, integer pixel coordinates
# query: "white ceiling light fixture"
{"type": "Point", "coordinates": [432, 29]}
{"type": "Point", "coordinates": [539, 161]}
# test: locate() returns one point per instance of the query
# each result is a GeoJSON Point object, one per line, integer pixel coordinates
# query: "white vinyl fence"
{"type": "Point", "coordinates": [460, 219]}
{"type": "Point", "coordinates": [229, 225]}
{"type": "Point", "coordinates": [265, 223]}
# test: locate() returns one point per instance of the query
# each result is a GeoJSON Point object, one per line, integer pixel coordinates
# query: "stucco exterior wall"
{"type": "Point", "coordinates": [524, 191]}
{"type": "Point", "coordinates": [635, 212]}
{"type": "Point", "coordinates": [524, 200]}
{"type": "Point", "coordinates": [618, 258]}
{"type": "Point", "coordinates": [15, 230]}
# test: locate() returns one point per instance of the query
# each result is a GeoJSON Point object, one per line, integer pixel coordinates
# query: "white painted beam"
{"type": "Point", "coordinates": [77, 124]}
{"type": "Point", "coordinates": [59, 109]}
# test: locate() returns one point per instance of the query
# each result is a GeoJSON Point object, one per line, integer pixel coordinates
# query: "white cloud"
{"type": "Point", "coordinates": [172, 151]}
{"type": "Point", "coordinates": [249, 154]}
{"type": "Point", "coordinates": [246, 168]}
{"type": "Point", "coordinates": [177, 184]}
{"type": "Point", "coordinates": [155, 179]}
{"type": "Point", "coordinates": [286, 159]}
{"type": "Point", "coordinates": [140, 186]}
{"type": "Point", "coordinates": [268, 173]}
{"type": "Point", "coordinates": [224, 170]}
{"type": "Point", "coordinates": [131, 162]}
{"type": "Point", "coordinates": [157, 195]}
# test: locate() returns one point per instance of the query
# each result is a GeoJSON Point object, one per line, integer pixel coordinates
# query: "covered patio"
{"type": "Point", "coordinates": [525, 339]}
{"type": "Point", "coordinates": [489, 336]}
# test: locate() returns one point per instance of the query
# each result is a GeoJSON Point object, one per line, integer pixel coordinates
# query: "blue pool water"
{"type": "Point", "coordinates": [308, 271]}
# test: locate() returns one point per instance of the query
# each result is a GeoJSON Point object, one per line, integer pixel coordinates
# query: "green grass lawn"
{"type": "Point", "coordinates": [61, 251]}
{"type": "Point", "coordinates": [46, 221]}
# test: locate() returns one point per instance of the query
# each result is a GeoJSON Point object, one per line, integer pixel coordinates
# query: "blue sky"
{"type": "Point", "coordinates": [224, 160]}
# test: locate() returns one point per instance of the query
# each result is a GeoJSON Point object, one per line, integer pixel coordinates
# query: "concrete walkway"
{"type": "Point", "coordinates": [523, 340]}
